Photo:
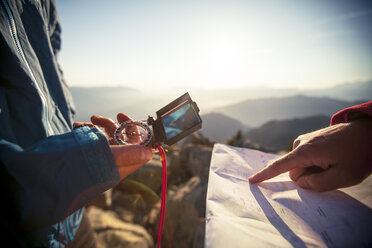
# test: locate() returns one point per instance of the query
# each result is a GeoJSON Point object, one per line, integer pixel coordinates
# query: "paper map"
{"type": "Point", "coordinates": [278, 213]}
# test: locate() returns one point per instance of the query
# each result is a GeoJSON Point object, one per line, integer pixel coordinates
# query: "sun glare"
{"type": "Point", "coordinates": [234, 57]}
{"type": "Point", "coordinates": [219, 45]}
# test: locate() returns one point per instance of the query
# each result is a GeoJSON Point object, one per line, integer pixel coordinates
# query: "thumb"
{"type": "Point", "coordinates": [324, 181]}
{"type": "Point", "coordinates": [131, 155]}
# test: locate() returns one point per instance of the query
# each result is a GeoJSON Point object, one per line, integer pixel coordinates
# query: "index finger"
{"type": "Point", "coordinates": [106, 123]}
{"type": "Point", "coordinates": [286, 163]}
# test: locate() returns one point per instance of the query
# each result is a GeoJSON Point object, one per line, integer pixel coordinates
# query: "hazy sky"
{"type": "Point", "coordinates": [215, 44]}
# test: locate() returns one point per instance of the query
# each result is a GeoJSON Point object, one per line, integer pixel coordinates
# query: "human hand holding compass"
{"type": "Point", "coordinates": [128, 157]}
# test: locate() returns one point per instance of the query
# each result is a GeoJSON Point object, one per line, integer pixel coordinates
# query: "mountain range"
{"type": "Point", "coordinates": [279, 135]}
{"type": "Point", "coordinates": [212, 99]}
{"type": "Point", "coordinates": [269, 117]}
{"type": "Point", "coordinates": [108, 101]}
{"type": "Point", "coordinates": [219, 127]}
{"type": "Point", "coordinates": [255, 112]}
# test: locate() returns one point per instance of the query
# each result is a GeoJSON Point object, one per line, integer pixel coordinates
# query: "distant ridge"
{"type": "Point", "coordinates": [279, 135]}
{"type": "Point", "coordinates": [216, 98]}
{"type": "Point", "coordinates": [258, 111]}
{"type": "Point", "coordinates": [105, 101]}
{"type": "Point", "coordinates": [219, 127]}
{"type": "Point", "coordinates": [346, 91]}
{"type": "Point", "coordinates": [251, 106]}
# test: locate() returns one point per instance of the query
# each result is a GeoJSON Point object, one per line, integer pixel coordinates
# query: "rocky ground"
{"type": "Point", "coordinates": [127, 215]}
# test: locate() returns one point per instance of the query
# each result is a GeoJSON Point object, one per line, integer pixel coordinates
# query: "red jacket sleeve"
{"type": "Point", "coordinates": [353, 112]}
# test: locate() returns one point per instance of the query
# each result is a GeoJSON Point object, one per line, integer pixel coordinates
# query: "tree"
{"type": "Point", "coordinates": [238, 137]}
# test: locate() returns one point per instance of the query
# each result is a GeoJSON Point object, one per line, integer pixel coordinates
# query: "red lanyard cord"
{"type": "Point", "coordinates": [163, 194]}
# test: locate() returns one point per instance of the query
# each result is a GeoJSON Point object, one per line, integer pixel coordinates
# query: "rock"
{"type": "Point", "coordinates": [149, 174]}
{"type": "Point", "coordinates": [151, 221]}
{"type": "Point", "coordinates": [197, 197]}
{"type": "Point", "coordinates": [194, 192]}
{"type": "Point", "coordinates": [191, 160]}
{"type": "Point", "coordinates": [125, 214]}
{"type": "Point", "coordinates": [182, 224]}
{"type": "Point", "coordinates": [196, 160]}
{"type": "Point", "coordinates": [199, 234]}
{"type": "Point", "coordinates": [112, 232]}
{"type": "Point", "coordinates": [184, 190]}
{"type": "Point", "coordinates": [197, 139]}
{"type": "Point", "coordinates": [134, 197]}
{"type": "Point", "coordinates": [103, 200]}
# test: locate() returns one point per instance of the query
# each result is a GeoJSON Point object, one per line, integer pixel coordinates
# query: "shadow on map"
{"type": "Point", "coordinates": [318, 211]}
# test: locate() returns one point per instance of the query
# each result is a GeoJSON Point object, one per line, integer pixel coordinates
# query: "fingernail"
{"type": "Point", "coordinates": [251, 179]}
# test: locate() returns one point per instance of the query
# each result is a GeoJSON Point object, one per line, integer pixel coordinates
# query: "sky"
{"type": "Point", "coordinates": [158, 44]}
